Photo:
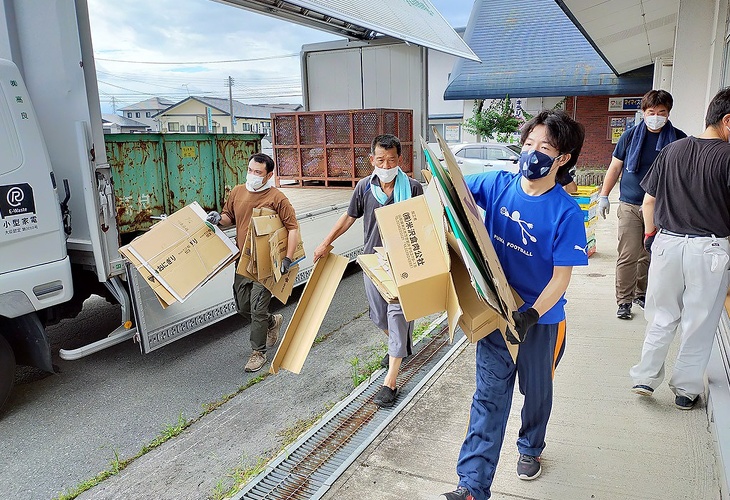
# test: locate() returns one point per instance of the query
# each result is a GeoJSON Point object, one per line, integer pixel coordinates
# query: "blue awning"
{"type": "Point", "coordinates": [529, 48]}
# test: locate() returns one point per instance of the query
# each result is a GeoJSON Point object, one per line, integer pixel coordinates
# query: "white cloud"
{"type": "Point", "coordinates": [203, 31]}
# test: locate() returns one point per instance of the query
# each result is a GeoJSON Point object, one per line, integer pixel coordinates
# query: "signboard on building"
{"type": "Point", "coordinates": [624, 103]}
{"type": "Point", "coordinates": [209, 113]}
{"type": "Point", "coordinates": [451, 133]}
{"type": "Point", "coordinates": [617, 125]}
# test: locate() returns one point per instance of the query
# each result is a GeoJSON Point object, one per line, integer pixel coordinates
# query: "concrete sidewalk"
{"type": "Point", "coordinates": [603, 441]}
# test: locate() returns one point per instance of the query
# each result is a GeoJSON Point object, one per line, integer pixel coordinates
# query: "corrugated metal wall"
{"type": "Point", "coordinates": [158, 174]}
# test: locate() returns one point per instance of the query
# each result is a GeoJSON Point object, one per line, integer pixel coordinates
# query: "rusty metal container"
{"type": "Point", "coordinates": [157, 174]}
{"type": "Point", "coordinates": [331, 148]}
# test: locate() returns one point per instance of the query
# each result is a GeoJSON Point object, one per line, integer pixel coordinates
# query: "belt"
{"type": "Point", "coordinates": [679, 235]}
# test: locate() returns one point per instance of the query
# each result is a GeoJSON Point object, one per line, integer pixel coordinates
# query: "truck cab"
{"type": "Point", "coordinates": [35, 271]}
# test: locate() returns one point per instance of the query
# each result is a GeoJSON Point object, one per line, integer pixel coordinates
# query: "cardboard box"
{"type": "Point", "coordinates": [309, 313]}
{"type": "Point", "coordinates": [181, 253]}
{"type": "Point", "coordinates": [414, 239]}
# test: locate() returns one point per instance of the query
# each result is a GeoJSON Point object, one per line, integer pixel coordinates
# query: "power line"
{"type": "Point", "coordinates": [199, 62]}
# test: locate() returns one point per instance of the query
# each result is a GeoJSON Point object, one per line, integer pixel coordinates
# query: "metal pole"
{"type": "Point", "coordinates": [230, 101]}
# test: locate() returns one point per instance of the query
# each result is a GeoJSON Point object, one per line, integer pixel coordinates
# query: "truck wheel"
{"type": "Point", "coordinates": [7, 370]}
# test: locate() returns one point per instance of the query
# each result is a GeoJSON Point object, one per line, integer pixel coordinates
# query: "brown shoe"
{"type": "Point", "coordinates": [256, 361]}
{"type": "Point", "coordinates": [272, 334]}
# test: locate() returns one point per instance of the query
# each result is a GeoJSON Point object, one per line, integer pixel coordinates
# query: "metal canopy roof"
{"type": "Point", "coordinates": [414, 21]}
{"type": "Point", "coordinates": [530, 48]}
{"type": "Point", "coordinates": [629, 34]}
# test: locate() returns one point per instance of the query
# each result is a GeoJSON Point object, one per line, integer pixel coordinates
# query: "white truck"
{"type": "Point", "coordinates": [59, 238]}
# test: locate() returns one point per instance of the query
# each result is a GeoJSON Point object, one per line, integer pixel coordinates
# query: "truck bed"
{"type": "Point", "coordinates": [314, 200]}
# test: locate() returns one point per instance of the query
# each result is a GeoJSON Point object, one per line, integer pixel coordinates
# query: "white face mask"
{"type": "Point", "coordinates": [254, 182]}
{"type": "Point", "coordinates": [386, 175]}
{"type": "Point", "coordinates": [655, 122]}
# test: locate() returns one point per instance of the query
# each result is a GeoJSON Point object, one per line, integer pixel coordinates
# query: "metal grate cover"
{"type": "Point", "coordinates": [309, 467]}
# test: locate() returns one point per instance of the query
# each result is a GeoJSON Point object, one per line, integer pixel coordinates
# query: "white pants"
{"type": "Point", "coordinates": [688, 280]}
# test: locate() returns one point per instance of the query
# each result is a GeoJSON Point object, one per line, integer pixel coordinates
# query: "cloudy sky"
{"type": "Point", "coordinates": [140, 47]}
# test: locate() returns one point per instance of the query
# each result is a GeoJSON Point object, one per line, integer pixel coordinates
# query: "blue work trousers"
{"type": "Point", "coordinates": [538, 357]}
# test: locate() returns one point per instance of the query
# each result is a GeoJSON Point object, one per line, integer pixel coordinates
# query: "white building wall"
{"type": "Point", "coordinates": [696, 35]}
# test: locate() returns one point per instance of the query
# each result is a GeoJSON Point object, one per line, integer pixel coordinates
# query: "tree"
{"type": "Point", "coordinates": [496, 120]}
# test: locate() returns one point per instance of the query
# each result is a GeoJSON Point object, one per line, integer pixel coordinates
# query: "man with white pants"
{"type": "Point", "coordinates": [687, 219]}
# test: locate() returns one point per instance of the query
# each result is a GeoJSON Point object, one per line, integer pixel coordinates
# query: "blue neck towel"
{"type": "Point", "coordinates": [401, 192]}
{"type": "Point", "coordinates": [636, 141]}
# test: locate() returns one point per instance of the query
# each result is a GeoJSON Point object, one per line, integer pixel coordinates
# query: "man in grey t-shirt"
{"type": "Point", "coordinates": [388, 184]}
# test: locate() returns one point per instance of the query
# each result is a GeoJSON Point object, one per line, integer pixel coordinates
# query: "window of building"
{"type": "Point", "coordinates": [201, 129]}
{"type": "Point", "coordinates": [173, 126]}
{"type": "Point", "coordinates": [136, 115]}
{"type": "Point", "coordinates": [246, 127]}
{"type": "Point", "coordinates": [191, 128]}
{"type": "Point", "coordinates": [225, 130]}
{"type": "Point", "coordinates": [147, 114]}
{"type": "Point", "coordinates": [129, 114]}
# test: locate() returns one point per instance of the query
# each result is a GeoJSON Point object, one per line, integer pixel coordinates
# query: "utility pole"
{"type": "Point", "coordinates": [230, 103]}
{"type": "Point", "coordinates": [114, 105]}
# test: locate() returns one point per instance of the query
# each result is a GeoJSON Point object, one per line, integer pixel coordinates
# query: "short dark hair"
{"type": "Point", "coordinates": [386, 141]}
{"type": "Point", "coordinates": [655, 98]}
{"type": "Point", "coordinates": [265, 159]}
{"type": "Point", "coordinates": [563, 133]}
{"type": "Point", "coordinates": [719, 107]}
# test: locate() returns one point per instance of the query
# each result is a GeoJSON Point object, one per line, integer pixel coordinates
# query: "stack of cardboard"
{"type": "Point", "coordinates": [435, 270]}
{"type": "Point", "coordinates": [263, 251]}
{"type": "Point", "coordinates": [180, 253]}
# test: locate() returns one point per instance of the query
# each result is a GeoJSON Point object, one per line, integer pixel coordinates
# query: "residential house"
{"type": "Point", "coordinates": [198, 114]}
{"type": "Point", "coordinates": [115, 124]}
{"type": "Point", "coordinates": [145, 111]}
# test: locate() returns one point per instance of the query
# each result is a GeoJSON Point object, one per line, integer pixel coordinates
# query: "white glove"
{"type": "Point", "coordinates": [604, 206]}
{"type": "Point", "coordinates": [213, 217]}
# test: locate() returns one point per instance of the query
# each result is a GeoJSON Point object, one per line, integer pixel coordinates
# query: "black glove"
{"type": "Point", "coordinates": [213, 217]}
{"type": "Point", "coordinates": [648, 240]}
{"type": "Point", "coordinates": [523, 322]}
{"type": "Point", "coordinates": [285, 265]}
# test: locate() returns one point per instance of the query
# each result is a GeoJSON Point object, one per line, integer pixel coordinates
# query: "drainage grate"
{"type": "Point", "coordinates": [309, 467]}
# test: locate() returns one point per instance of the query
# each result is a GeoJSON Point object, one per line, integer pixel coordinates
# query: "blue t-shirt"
{"type": "Point", "coordinates": [631, 190]}
{"type": "Point", "coordinates": [531, 234]}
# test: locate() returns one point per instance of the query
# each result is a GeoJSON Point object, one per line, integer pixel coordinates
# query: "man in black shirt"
{"type": "Point", "coordinates": [636, 150]}
{"type": "Point", "coordinates": [687, 219]}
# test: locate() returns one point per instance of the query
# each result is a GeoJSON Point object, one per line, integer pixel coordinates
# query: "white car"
{"type": "Point", "coordinates": [478, 157]}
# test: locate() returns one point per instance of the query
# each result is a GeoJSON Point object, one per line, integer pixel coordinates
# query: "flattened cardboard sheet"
{"type": "Point", "coordinates": [278, 244]}
{"type": "Point", "coordinates": [478, 319]}
{"type": "Point", "coordinates": [261, 258]}
{"type": "Point", "coordinates": [372, 266]}
{"type": "Point", "coordinates": [471, 212]}
{"type": "Point", "coordinates": [309, 313]}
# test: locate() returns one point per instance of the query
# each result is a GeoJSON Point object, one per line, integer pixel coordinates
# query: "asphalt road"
{"type": "Point", "coordinates": [59, 430]}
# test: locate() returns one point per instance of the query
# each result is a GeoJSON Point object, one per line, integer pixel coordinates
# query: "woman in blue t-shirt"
{"type": "Point", "coordinates": [537, 231]}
